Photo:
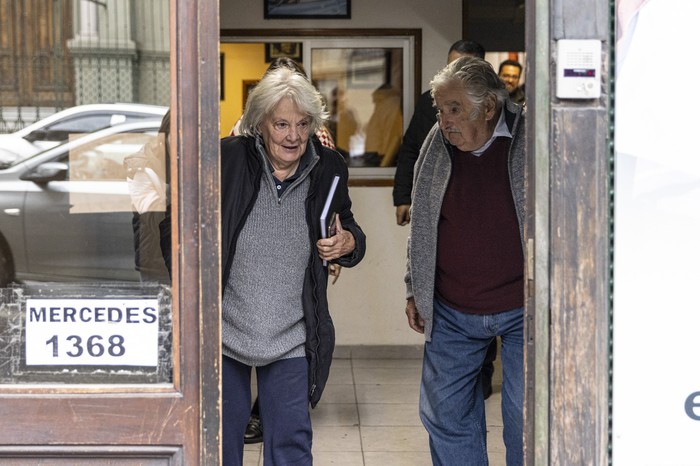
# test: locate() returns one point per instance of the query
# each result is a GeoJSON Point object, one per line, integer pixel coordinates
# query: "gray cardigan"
{"type": "Point", "coordinates": [432, 174]}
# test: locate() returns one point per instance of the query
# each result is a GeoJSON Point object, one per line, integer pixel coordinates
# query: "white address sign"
{"type": "Point", "coordinates": [87, 332]}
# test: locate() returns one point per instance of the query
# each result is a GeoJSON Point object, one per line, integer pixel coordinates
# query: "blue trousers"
{"type": "Point", "coordinates": [451, 400]}
{"type": "Point", "coordinates": [284, 411]}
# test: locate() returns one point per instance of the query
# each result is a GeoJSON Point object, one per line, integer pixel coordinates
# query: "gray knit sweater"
{"type": "Point", "coordinates": [263, 319]}
{"type": "Point", "coordinates": [432, 174]}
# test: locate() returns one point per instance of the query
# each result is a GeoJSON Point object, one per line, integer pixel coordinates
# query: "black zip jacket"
{"type": "Point", "coordinates": [423, 119]}
{"type": "Point", "coordinates": [241, 172]}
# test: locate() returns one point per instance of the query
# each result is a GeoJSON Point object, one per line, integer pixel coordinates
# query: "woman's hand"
{"type": "Point", "coordinates": [338, 245]}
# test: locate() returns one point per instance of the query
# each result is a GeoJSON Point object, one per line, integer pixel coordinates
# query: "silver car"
{"type": "Point", "coordinates": [67, 213]}
{"type": "Point", "coordinates": [55, 129]}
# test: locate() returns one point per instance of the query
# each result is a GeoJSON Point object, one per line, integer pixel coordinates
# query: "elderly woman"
{"type": "Point", "coordinates": [275, 179]}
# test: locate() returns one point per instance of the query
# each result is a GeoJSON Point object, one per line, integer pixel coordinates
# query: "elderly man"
{"type": "Point", "coordinates": [422, 120]}
{"type": "Point", "coordinates": [465, 260]}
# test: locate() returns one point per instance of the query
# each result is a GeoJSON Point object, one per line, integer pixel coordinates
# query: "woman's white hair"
{"type": "Point", "coordinates": [478, 79]}
{"type": "Point", "coordinates": [275, 86]}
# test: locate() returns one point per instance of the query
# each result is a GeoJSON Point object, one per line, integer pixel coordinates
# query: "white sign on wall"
{"type": "Point", "coordinates": [87, 332]}
{"type": "Point", "coordinates": [656, 369]}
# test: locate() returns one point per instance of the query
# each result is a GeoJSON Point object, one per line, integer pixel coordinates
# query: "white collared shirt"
{"type": "Point", "coordinates": [500, 130]}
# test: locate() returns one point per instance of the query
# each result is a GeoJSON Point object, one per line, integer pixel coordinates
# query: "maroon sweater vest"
{"type": "Point", "coordinates": [479, 253]}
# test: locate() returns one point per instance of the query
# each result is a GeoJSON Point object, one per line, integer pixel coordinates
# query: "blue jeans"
{"type": "Point", "coordinates": [284, 411]}
{"type": "Point", "coordinates": [451, 399]}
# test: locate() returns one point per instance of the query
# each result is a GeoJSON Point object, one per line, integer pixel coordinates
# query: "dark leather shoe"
{"type": "Point", "coordinates": [253, 433]}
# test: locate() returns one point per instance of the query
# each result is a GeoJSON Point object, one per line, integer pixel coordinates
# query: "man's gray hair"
{"type": "Point", "coordinates": [478, 79]}
{"type": "Point", "coordinates": [274, 87]}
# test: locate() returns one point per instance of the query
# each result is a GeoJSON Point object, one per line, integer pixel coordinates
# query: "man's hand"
{"type": "Point", "coordinates": [415, 321]}
{"type": "Point", "coordinates": [334, 271]}
{"type": "Point", "coordinates": [403, 214]}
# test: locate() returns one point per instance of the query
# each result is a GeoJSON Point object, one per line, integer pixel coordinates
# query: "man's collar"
{"type": "Point", "coordinates": [501, 129]}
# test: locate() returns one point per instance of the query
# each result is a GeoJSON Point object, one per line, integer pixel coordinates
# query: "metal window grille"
{"type": "Point", "coordinates": [56, 54]}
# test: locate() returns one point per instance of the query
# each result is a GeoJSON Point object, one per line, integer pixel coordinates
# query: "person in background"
{"type": "Point", "coordinates": [464, 278]}
{"type": "Point", "coordinates": [509, 71]}
{"type": "Point", "coordinates": [148, 180]}
{"type": "Point", "coordinates": [422, 121]}
{"type": "Point", "coordinates": [343, 122]}
{"type": "Point", "coordinates": [275, 178]}
{"type": "Point", "coordinates": [383, 130]}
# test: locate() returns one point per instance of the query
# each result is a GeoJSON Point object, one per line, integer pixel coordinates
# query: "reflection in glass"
{"type": "Point", "coordinates": [83, 168]}
{"type": "Point", "coordinates": [364, 91]}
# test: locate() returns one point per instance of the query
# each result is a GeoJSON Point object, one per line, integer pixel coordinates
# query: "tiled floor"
{"type": "Point", "coordinates": [368, 415]}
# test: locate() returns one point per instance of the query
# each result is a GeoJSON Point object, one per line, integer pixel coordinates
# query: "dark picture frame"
{"type": "Point", "coordinates": [298, 9]}
{"type": "Point", "coordinates": [248, 85]}
{"type": "Point", "coordinates": [293, 50]}
{"type": "Point", "coordinates": [222, 82]}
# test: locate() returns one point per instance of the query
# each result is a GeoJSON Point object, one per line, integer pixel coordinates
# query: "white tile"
{"type": "Point", "coordinates": [385, 414]}
{"type": "Point", "coordinates": [493, 410]}
{"type": "Point", "coordinates": [252, 447]}
{"type": "Point", "coordinates": [387, 375]}
{"type": "Point", "coordinates": [252, 458]}
{"type": "Point", "coordinates": [336, 438]}
{"type": "Point", "coordinates": [334, 414]}
{"type": "Point", "coordinates": [397, 458]}
{"type": "Point", "coordinates": [339, 458]}
{"type": "Point", "coordinates": [394, 439]}
{"type": "Point", "coordinates": [341, 372]}
{"type": "Point", "coordinates": [341, 364]}
{"type": "Point", "coordinates": [342, 352]}
{"type": "Point", "coordinates": [388, 393]}
{"type": "Point", "coordinates": [495, 447]}
{"type": "Point", "coordinates": [338, 393]}
{"type": "Point", "coordinates": [412, 363]}
{"type": "Point", "coordinates": [387, 351]}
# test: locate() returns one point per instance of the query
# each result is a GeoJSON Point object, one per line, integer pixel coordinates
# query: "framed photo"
{"type": "Point", "coordinates": [292, 50]}
{"type": "Point", "coordinates": [319, 9]}
{"type": "Point", "coordinates": [248, 86]}
{"type": "Point", "coordinates": [222, 75]}
{"type": "Point", "coordinates": [363, 75]}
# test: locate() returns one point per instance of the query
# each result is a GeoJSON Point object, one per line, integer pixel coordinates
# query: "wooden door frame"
{"type": "Point", "coordinates": [178, 423]}
{"type": "Point", "coordinates": [568, 273]}
{"type": "Point", "coordinates": [195, 97]}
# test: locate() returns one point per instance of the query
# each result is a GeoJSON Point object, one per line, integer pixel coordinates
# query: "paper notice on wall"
{"type": "Point", "coordinates": [656, 310]}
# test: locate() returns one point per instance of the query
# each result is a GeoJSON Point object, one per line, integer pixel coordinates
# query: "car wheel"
{"type": "Point", "coordinates": [6, 268]}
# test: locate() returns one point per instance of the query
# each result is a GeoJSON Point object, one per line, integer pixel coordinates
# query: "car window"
{"type": "Point", "coordinates": [61, 130]}
{"type": "Point", "coordinates": [132, 117]}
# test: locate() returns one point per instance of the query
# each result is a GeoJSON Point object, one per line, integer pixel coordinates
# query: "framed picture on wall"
{"type": "Point", "coordinates": [363, 76]}
{"type": "Point", "coordinates": [248, 86]}
{"type": "Point", "coordinates": [319, 9]}
{"type": "Point", "coordinates": [292, 50]}
{"type": "Point", "coordinates": [221, 77]}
